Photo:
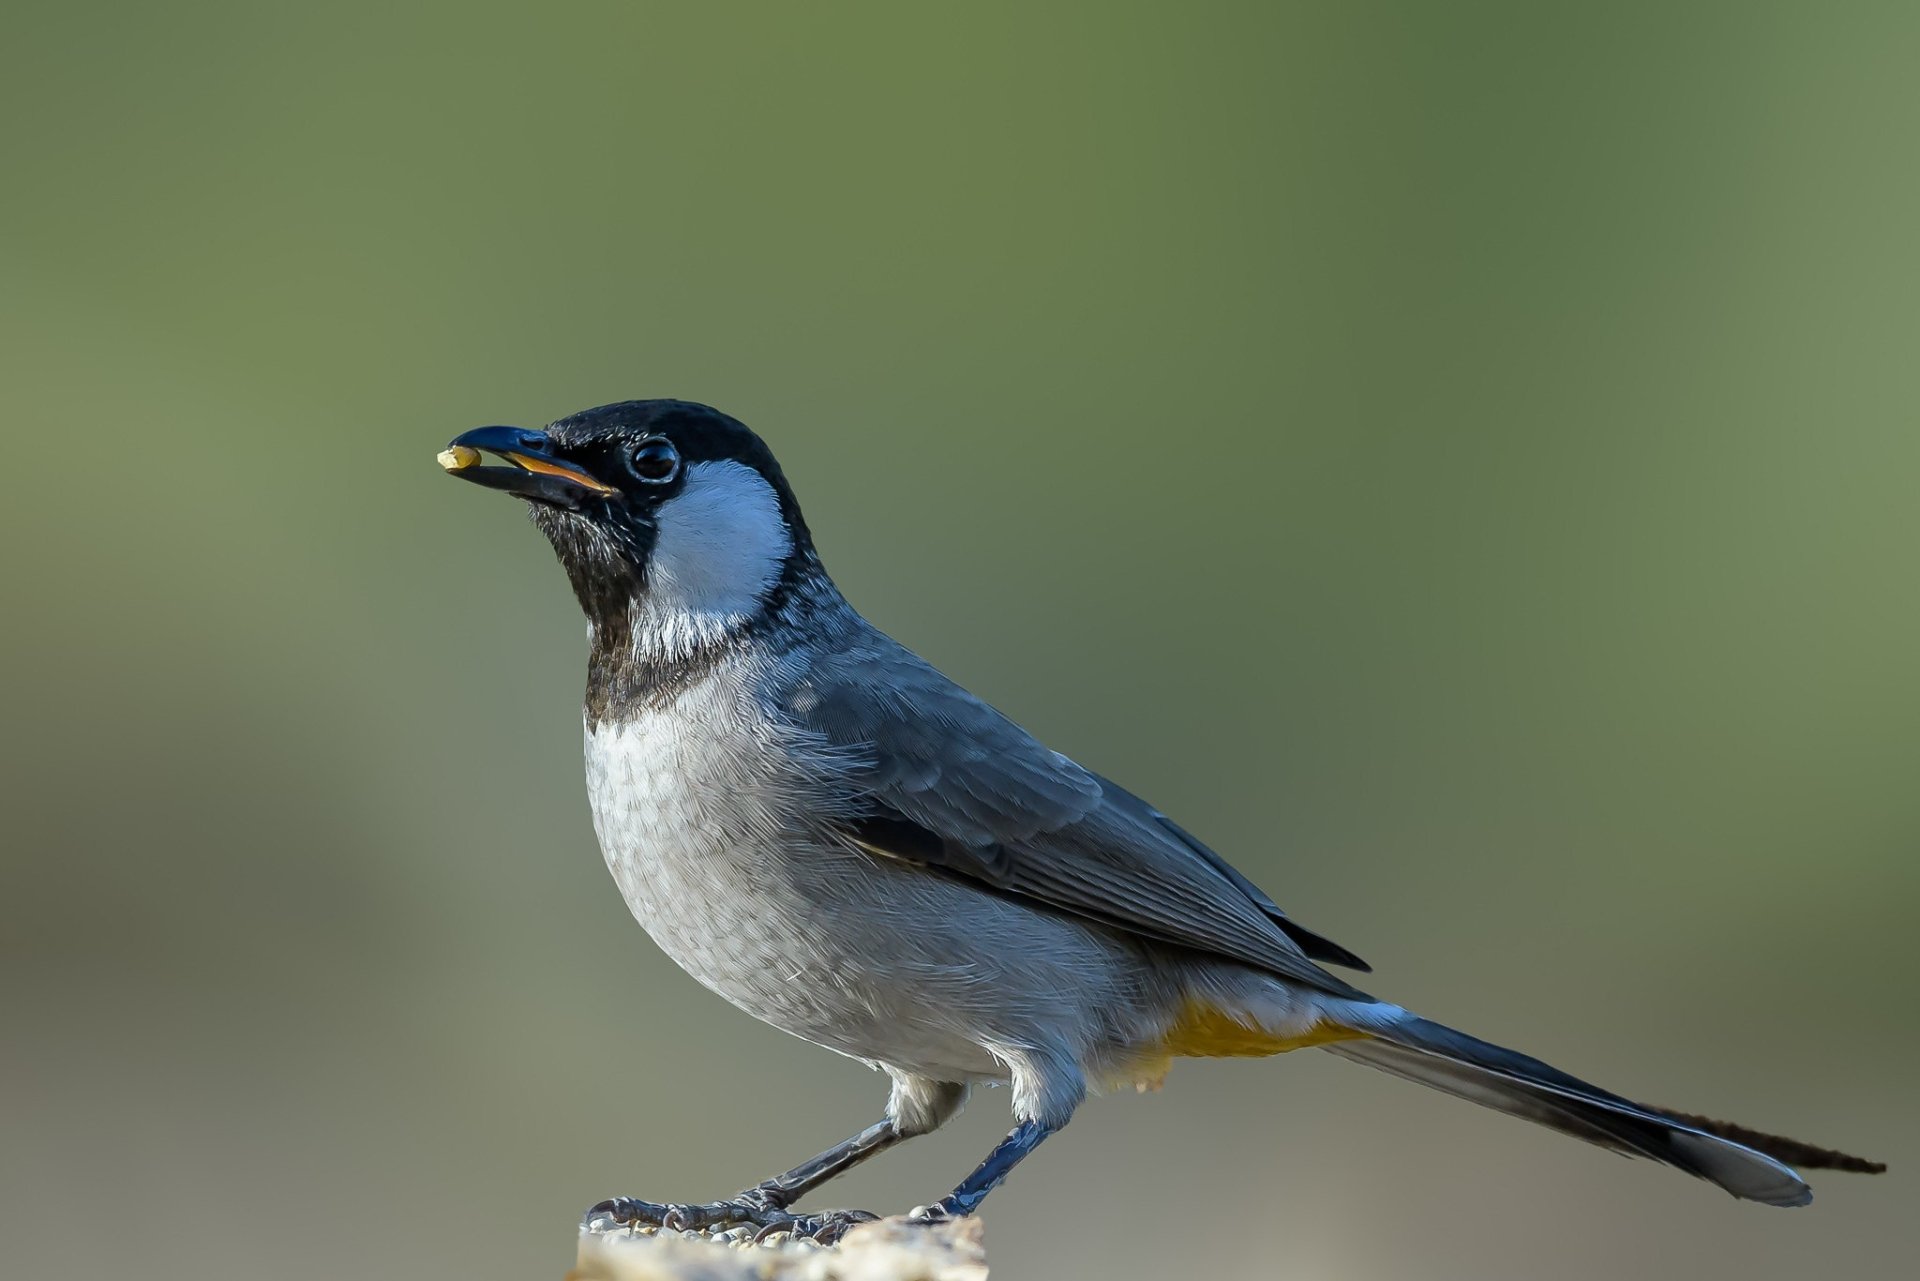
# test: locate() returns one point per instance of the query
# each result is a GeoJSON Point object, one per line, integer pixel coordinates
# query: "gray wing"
{"type": "Point", "coordinates": [1317, 946]}
{"type": "Point", "coordinates": [945, 781]}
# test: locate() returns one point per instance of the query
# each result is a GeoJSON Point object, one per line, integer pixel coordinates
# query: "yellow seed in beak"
{"type": "Point", "coordinates": [458, 458]}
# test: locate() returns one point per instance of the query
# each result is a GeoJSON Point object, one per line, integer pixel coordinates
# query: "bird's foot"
{"type": "Point", "coordinates": [756, 1208]}
{"type": "Point", "coordinates": [944, 1210]}
{"type": "Point", "coordinates": [825, 1228]}
{"type": "Point", "coordinates": [624, 1212]}
{"type": "Point", "coordinates": [751, 1208]}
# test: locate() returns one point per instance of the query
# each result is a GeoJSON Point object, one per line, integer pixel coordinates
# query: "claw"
{"type": "Point", "coordinates": [837, 1224]}
{"type": "Point", "coordinates": [928, 1215]}
{"type": "Point", "coordinates": [828, 1228]}
{"type": "Point", "coordinates": [625, 1211]}
{"type": "Point", "coordinates": [825, 1229]}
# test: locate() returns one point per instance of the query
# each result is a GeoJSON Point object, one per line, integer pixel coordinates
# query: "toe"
{"type": "Point", "coordinates": [621, 1211]}
{"type": "Point", "coordinates": [761, 1200]}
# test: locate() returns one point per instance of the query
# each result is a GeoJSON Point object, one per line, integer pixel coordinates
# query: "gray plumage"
{"type": "Point", "coordinates": [824, 830]}
{"type": "Point", "coordinates": [1018, 816]}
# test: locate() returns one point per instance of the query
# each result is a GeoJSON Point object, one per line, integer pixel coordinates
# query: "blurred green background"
{"type": "Point", "coordinates": [1458, 459]}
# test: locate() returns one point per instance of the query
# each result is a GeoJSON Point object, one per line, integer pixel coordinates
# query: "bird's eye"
{"type": "Point", "coordinates": [655, 461]}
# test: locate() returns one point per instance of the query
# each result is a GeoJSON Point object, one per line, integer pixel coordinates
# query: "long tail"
{"type": "Point", "coordinates": [1745, 1162]}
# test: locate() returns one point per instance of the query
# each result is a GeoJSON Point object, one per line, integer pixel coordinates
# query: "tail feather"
{"type": "Point", "coordinates": [1744, 1162]}
{"type": "Point", "coordinates": [1805, 1156]}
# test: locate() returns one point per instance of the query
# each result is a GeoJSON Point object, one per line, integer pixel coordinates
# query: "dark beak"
{"type": "Point", "coordinates": [533, 470]}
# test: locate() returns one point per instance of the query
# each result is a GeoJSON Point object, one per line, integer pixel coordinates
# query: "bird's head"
{"type": "Point", "coordinates": [672, 520]}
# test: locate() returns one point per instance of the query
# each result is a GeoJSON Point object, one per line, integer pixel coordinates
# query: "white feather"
{"type": "Point", "coordinates": [720, 546]}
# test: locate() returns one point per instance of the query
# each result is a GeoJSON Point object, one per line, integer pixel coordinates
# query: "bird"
{"type": "Point", "coordinates": [827, 832]}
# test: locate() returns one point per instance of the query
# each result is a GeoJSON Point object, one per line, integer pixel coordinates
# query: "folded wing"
{"type": "Point", "coordinates": [945, 781]}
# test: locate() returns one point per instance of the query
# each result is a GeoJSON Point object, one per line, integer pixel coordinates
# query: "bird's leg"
{"type": "Point", "coordinates": [973, 1189]}
{"type": "Point", "coordinates": [764, 1205]}
{"type": "Point", "coordinates": [782, 1190]}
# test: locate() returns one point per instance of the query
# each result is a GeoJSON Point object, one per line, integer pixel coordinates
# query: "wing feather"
{"type": "Point", "coordinates": [945, 781]}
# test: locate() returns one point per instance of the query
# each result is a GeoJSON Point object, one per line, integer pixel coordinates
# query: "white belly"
{"type": "Point", "coordinates": [711, 839]}
{"type": "Point", "coordinates": [714, 827]}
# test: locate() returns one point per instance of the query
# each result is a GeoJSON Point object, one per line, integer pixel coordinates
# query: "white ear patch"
{"type": "Point", "coordinates": [720, 546]}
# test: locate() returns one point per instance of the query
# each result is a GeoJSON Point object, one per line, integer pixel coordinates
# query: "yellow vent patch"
{"type": "Point", "coordinates": [1206, 1032]}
